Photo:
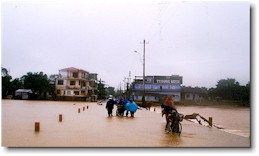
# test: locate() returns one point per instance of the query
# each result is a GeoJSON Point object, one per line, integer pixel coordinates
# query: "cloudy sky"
{"type": "Point", "coordinates": [201, 41]}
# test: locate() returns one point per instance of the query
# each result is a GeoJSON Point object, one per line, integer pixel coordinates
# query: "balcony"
{"type": "Point", "coordinates": [73, 87]}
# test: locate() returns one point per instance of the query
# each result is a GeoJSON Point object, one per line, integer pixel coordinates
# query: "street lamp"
{"type": "Point", "coordinates": [143, 96]}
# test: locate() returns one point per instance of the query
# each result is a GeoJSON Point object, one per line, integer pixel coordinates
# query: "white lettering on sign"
{"type": "Point", "coordinates": [167, 81]}
{"type": "Point", "coordinates": [162, 81]}
{"type": "Point", "coordinates": [175, 81]}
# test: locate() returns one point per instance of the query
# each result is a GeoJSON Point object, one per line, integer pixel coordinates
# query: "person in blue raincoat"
{"type": "Point", "coordinates": [131, 106]}
{"type": "Point", "coordinates": [125, 102]}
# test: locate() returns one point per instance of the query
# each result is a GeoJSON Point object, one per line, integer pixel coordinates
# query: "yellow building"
{"type": "Point", "coordinates": [73, 84]}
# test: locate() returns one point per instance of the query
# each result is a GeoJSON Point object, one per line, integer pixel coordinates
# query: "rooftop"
{"type": "Point", "coordinates": [73, 69]}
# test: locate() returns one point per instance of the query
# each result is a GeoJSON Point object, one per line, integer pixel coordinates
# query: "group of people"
{"type": "Point", "coordinates": [129, 105]}
{"type": "Point", "coordinates": [123, 105]}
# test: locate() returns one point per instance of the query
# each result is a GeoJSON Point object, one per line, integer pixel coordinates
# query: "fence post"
{"type": "Point", "coordinates": [37, 127]}
{"type": "Point", "coordinates": [210, 121]}
{"type": "Point", "coordinates": [60, 117]}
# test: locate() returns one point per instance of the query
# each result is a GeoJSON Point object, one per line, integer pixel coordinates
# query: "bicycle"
{"type": "Point", "coordinates": [174, 122]}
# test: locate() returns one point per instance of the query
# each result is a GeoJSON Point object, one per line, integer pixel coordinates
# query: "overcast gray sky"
{"type": "Point", "coordinates": [201, 41]}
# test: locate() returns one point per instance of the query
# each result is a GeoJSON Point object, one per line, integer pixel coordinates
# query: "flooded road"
{"type": "Point", "coordinates": [231, 119]}
{"type": "Point", "coordinates": [92, 128]}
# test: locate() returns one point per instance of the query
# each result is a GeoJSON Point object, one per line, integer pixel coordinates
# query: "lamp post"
{"type": "Point", "coordinates": [143, 96]}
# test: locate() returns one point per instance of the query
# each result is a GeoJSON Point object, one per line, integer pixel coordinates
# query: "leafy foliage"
{"type": "Point", "coordinates": [101, 90]}
{"type": "Point", "coordinates": [37, 82]}
{"type": "Point", "coordinates": [229, 89]}
{"type": "Point", "coordinates": [110, 91]}
{"type": "Point", "coordinates": [6, 82]}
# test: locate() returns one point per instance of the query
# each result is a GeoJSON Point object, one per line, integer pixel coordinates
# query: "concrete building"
{"type": "Point", "coordinates": [157, 87]}
{"type": "Point", "coordinates": [23, 94]}
{"type": "Point", "coordinates": [74, 84]}
{"type": "Point", "coordinates": [194, 94]}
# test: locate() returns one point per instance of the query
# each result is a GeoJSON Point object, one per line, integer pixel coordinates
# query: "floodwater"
{"type": "Point", "coordinates": [231, 119]}
{"type": "Point", "coordinates": [93, 128]}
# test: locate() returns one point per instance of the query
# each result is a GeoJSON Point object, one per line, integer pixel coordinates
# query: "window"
{"type": "Point", "coordinates": [75, 74]}
{"type": "Point", "coordinates": [58, 92]}
{"type": "Point", "coordinates": [165, 87]}
{"type": "Point", "coordinates": [68, 92]}
{"type": "Point", "coordinates": [156, 86]}
{"type": "Point", "coordinates": [76, 92]}
{"type": "Point", "coordinates": [147, 86]}
{"type": "Point", "coordinates": [137, 86]}
{"type": "Point", "coordinates": [85, 75]}
{"type": "Point", "coordinates": [60, 82]}
{"type": "Point", "coordinates": [72, 82]}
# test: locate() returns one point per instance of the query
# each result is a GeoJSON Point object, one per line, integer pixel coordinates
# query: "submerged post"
{"type": "Point", "coordinates": [210, 121]}
{"type": "Point", "coordinates": [37, 126]}
{"type": "Point", "coordinates": [60, 117]}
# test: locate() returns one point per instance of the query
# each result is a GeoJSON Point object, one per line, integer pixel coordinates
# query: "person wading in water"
{"type": "Point", "coordinates": [109, 106]}
{"type": "Point", "coordinates": [167, 107]}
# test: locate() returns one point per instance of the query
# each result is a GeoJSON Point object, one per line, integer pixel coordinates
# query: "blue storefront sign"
{"type": "Point", "coordinates": [158, 87]}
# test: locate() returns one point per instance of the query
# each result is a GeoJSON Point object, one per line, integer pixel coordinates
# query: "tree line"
{"type": "Point", "coordinates": [40, 84]}
{"type": "Point", "coordinates": [226, 89]}
{"type": "Point", "coordinates": [230, 89]}
{"type": "Point", "coordinates": [37, 82]}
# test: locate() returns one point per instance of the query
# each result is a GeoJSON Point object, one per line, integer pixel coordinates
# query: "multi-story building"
{"type": "Point", "coordinates": [157, 87]}
{"type": "Point", "coordinates": [74, 84]}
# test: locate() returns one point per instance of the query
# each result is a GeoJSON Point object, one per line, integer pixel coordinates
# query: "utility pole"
{"type": "Point", "coordinates": [128, 85]}
{"type": "Point", "coordinates": [144, 61]}
{"type": "Point", "coordinates": [143, 96]}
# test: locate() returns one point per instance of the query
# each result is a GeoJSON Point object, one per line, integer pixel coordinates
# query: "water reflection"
{"type": "Point", "coordinates": [224, 117]}
{"type": "Point", "coordinates": [174, 139]}
{"type": "Point", "coordinates": [93, 127]}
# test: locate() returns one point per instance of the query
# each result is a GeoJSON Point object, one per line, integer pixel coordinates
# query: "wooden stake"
{"type": "Point", "coordinates": [37, 127]}
{"type": "Point", "coordinates": [210, 121]}
{"type": "Point", "coordinates": [60, 117]}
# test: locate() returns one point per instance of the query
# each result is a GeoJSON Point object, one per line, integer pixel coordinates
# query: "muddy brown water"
{"type": "Point", "coordinates": [92, 128]}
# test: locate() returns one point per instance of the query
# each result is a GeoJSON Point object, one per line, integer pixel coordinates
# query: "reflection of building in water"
{"type": "Point", "coordinates": [157, 87]}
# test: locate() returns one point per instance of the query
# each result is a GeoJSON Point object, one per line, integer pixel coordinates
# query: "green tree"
{"type": "Point", "coordinates": [6, 82]}
{"type": "Point", "coordinates": [230, 89]}
{"type": "Point", "coordinates": [110, 91]}
{"type": "Point", "coordinates": [118, 92]}
{"type": "Point", "coordinates": [101, 90]}
{"type": "Point", "coordinates": [226, 88]}
{"type": "Point", "coordinates": [37, 82]}
{"type": "Point", "coordinates": [15, 85]}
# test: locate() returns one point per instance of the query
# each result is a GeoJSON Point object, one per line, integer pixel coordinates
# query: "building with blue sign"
{"type": "Point", "coordinates": [157, 87]}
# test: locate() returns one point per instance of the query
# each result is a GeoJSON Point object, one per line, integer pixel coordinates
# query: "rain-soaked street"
{"type": "Point", "coordinates": [92, 128]}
